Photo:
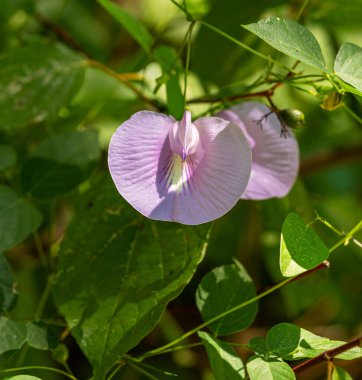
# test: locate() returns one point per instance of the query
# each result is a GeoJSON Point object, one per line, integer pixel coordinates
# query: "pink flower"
{"type": "Point", "coordinates": [275, 161]}
{"type": "Point", "coordinates": [182, 171]}
{"type": "Point", "coordinates": [195, 172]}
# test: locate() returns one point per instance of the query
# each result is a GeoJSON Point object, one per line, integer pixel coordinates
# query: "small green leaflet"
{"type": "Point", "coordinates": [291, 39]}
{"type": "Point", "coordinates": [169, 62]}
{"type": "Point", "coordinates": [222, 289]}
{"type": "Point", "coordinates": [225, 363]}
{"type": "Point", "coordinates": [301, 248]}
{"type": "Point", "coordinates": [348, 64]}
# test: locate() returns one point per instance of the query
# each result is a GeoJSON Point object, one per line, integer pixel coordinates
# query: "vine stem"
{"type": "Point", "coordinates": [187, 65]}
{"type": "Point", "coordinates": [244, 46]}
{"type": "Point", "coordinates": [349, 236]}
{"type": "Point", "coordinates": [327, 355]}
{"type": "Point", "coordinates": [161, 349]}
{"type": "Point", "coordinates": [39, 367]}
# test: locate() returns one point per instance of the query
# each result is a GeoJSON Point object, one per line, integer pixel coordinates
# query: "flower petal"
{"type": "Point", "coordinates": [133, 156]}
{"type": "Point", "coordinates": [161, 186]}
{"type": "Point", "coordinates": [275, 159]}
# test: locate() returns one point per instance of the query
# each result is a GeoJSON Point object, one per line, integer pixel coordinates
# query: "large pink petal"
{"type": "Point", "coordinates": [275, 159]}
{"type": "Point", "coordinates": [159, 185]}
{"type": "Point", "coordinates": [133, 158]}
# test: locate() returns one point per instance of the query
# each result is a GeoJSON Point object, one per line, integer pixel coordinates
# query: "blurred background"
{"type": "Point", "coordinates": [328, 303]}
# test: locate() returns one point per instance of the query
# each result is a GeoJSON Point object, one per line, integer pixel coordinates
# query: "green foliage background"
{"type": "Point", "coordinates": [70, 74]}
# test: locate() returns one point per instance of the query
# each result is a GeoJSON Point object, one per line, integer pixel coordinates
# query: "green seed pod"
{"type": "Point", "coordinates": [332, 101]}
{"type": "Point", "coordinates": [292, 117]}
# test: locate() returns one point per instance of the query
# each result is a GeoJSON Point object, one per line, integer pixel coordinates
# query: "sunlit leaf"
{"type": "Point", "coordinates": [224, 361]}
{"type": "Point", "coordinates": [134, 27]}
{"type": "Point", "coordinates": [301, 248]}
{"type": "Point", "coordinates": [222, 289]}
{"type": "Point", "coordinates": [290, 38]}
{"type": "Point", "coordinates": [35, 82]}
{"type": "Point", "coordinates": [8, 294]}
{"type": "Point", "coordinates": [18, 218]}
{"type": "Point", "coordinates": [348, 64]}
{"type": "Point", "coordinates": [23, 377]}
{"type": "Point", "coordinates": [293, 343]}
{"type": "Point", "coordinates": [117, 271]}
{"type": "Point", "coordinates": [60, 163]}
{"type": "Point", "coordinates": [268, 369]}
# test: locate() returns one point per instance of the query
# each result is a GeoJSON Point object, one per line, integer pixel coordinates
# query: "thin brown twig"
{"type": "Point", "coordinates": [259, 94]}
{"type": "Point", "coordinates": [327, 355]}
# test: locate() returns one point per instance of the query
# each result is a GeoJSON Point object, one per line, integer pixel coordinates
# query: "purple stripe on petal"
{"type": "Point", "coordinates": [275, 160]}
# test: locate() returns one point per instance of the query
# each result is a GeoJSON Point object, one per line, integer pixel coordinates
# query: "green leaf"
{"type": "Point", "coordinates": [233, 281]}
{"type": "Point", "coordinates": [7, 157]}
{"type": "Point", "coordinates": [117, 271]}
{"type": "Point", "coordinates": [169, 62]}
{"type": "Point", "coordinates": [23, 377]}
{"type": "Point", "coordinates": [291, 39]}
{"type": "Point", "coordinates": [8, 294]}
{"type": "Point", "coordinates": [348, 64]}
{"type": "Point", "coordinates": [283, 339]}
{"type": "Point", "coordinates": [60, 163]}
{"type": "Point", "coordinates": [134, 27]}
{"type": "Point", "coordinates": [14, 334]}
{"type": "Point", "coordinates": [272, 369]}
{"type": "Point", "coordinates": [35, 82]}
{"type": "Point", "coordinates": [340, 374]}
{"type": "Point", "coordinates": [301, 248]}
{"type": "Point", "coordinates": [291, 342]}
{"type": "Point", "coordinates": [258, 345]}
{"type": "Point", "coordinates": [224, 361]}
{"type": "Point", "coordinates": [347, 87]}
{"type": "Point", "coordinates": [18, 218]}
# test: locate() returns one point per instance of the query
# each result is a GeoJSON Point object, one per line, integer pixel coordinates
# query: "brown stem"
{"type": "Point", "coordinates": [325, 264]}
{"type": "Point", "coordinates": [327, 159]}
{"type": "Point", "coordinates": [327, 355]}
{"type": "Point", "coordinates": [260, 94]}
